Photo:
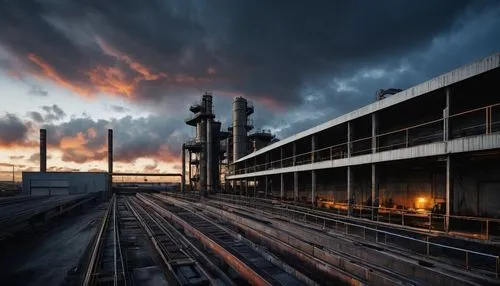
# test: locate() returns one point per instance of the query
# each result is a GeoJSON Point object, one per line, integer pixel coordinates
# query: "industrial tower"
{"type": "Point", "coordinates": [204, 150]}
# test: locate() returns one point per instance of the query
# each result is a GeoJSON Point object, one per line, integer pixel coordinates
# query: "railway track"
{"type": "Point", "coordinates": [182, 242]}
{"type": "Point", "coordinates": [177, 257]}
{"type": "Point", "coordinates": [245, 260]}
{"type": "Point", "coordinates": [107, 265]}
{"type": "Point", "coordinates": [314, 227]}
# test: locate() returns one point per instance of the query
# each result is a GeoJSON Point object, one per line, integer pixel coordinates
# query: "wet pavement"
{"type": "Point", "coordinates": [47, 255]}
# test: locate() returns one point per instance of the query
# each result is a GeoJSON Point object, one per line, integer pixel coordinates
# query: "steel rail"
{"type": "Point", "coordinates": [342, 221]}
{"type": "Point", "coordinates": [92, 265]}
{"type": "Point", "coordinates": [162, 222]}
{"type": "Point", "coordinates": [242, 268]}
{"type": "Point", "coordinates": [136, 210]}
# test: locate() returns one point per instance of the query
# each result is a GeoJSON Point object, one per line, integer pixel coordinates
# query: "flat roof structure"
{"type": "Point", "coordinates": [460, 74]}
{"type": "Point", "coordinates": [437, 141]}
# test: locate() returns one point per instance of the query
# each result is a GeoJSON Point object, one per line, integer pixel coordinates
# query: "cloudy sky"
{"type": "Point", "coordinates": [78, 67]}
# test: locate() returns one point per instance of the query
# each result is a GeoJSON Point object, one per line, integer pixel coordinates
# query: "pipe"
{"type": "Point", "coordinates": [110, 151]}
{"type": "Point", "coordinates": [183, 178]}
{"type": "Point", "coordinates": [210, 161]}
{"type": "Point", "coordinates": [203, 157]}
{"type": "Point", "coordinates": [189, 171]}
{"type": "Point", "coordinates": [110, 160]}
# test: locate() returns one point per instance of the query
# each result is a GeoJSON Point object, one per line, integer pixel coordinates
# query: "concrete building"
{"type": "Point", "coordinates": [432, 146]}
{"type": "Point", "coordinates": [45, 183]}
{"type": "Point", "coordinates": [63, 183]}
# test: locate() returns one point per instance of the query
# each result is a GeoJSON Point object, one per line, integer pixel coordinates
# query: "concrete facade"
{"type": "Point", "coordinates": [404, 151]}
{"type": "Point", "coordinates": [63, 183]}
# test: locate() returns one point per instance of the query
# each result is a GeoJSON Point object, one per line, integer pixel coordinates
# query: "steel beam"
{"type": "Point", "coordinates": [183, 177]}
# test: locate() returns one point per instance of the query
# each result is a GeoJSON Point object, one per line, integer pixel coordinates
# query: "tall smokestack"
{"type": "Point", "coordinates": [110, 163]}
{"type": "Point", "coordinates": [241, 111]}
{"type": "Point", "coordinates": [43, 150]}
{"type": "Point", "coordinates": [110, 151]}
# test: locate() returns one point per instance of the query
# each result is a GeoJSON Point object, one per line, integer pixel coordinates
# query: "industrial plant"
{"type": "Point", "coordinates": [402, 191]}
{"type": "Point", "coordinates": [212, 150]}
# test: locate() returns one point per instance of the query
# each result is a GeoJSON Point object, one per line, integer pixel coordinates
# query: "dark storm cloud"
{"type": "Point", "coordinates": [36, 116]}
{"type": "Point", "coordinates": [13, 132]}
{"type": "Point", "coordinates": [35, 158]}
{"type": "Point", "coordinates": [275, 52]}
{"type": "Point", "coordinates": [259, 48]}
{"type": "Point", "coordinates": [118, 108]}
{"type": "Point", "coordinates": [53, 112]}
{"type": "Point", "coordinates": [16, 157]}
{"type": "Point", "coordinates": [37, 90]}
{"type": "Point", "coordinates": [84, 139]}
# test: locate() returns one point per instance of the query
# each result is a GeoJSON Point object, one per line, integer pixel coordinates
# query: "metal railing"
{"type": "Point", "coordinates": [465, 258]}
{"type": "Point", "coordinates": [396, 139]}
{"type": "Point", "coordinates": [482, 228]}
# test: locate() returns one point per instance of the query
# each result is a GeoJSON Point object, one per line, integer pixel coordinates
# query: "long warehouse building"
{"type": "Point", "coordinates": [434, 145]}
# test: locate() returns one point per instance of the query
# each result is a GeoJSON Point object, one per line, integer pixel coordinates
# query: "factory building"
{"type": "Point", "coordinates": [432, 147]}
{"type": "Point", "coordinates": [45, 183]}
{"type": "Point", "coordinates": [63, 183]}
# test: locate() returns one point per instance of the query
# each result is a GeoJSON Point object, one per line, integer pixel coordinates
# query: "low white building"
{"type": "Point", "coordinates": [63, 183]}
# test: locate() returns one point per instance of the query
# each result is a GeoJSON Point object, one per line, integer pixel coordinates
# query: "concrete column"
{"type": "Point", "coordinates": [375, 193]}
{"type": "Point", "coordinates": [282, 187]}
{"type": "Point", "coordinates": [294, 159]}
{"type": "Point", "coordinates": [295, 186]}
{"type": "Point", "coordinates": [313, 187]}
{"type": "Point", "coordinates": [183, 178]}
{"type": "Point", "coordinates": [349, 189]}
{"type": "Point", "coordinates": [374, 132]}
{"type": "Point", "coordinates": [446, 114]}
{"type": "Point", "coordinates": [449, 190]}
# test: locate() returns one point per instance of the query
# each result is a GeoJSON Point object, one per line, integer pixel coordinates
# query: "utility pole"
{"type": "Point", "coordinates": [13, 181]}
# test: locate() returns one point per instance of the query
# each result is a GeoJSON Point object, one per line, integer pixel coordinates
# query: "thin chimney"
{"type": "Point", "coordinates": [43, 150]}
